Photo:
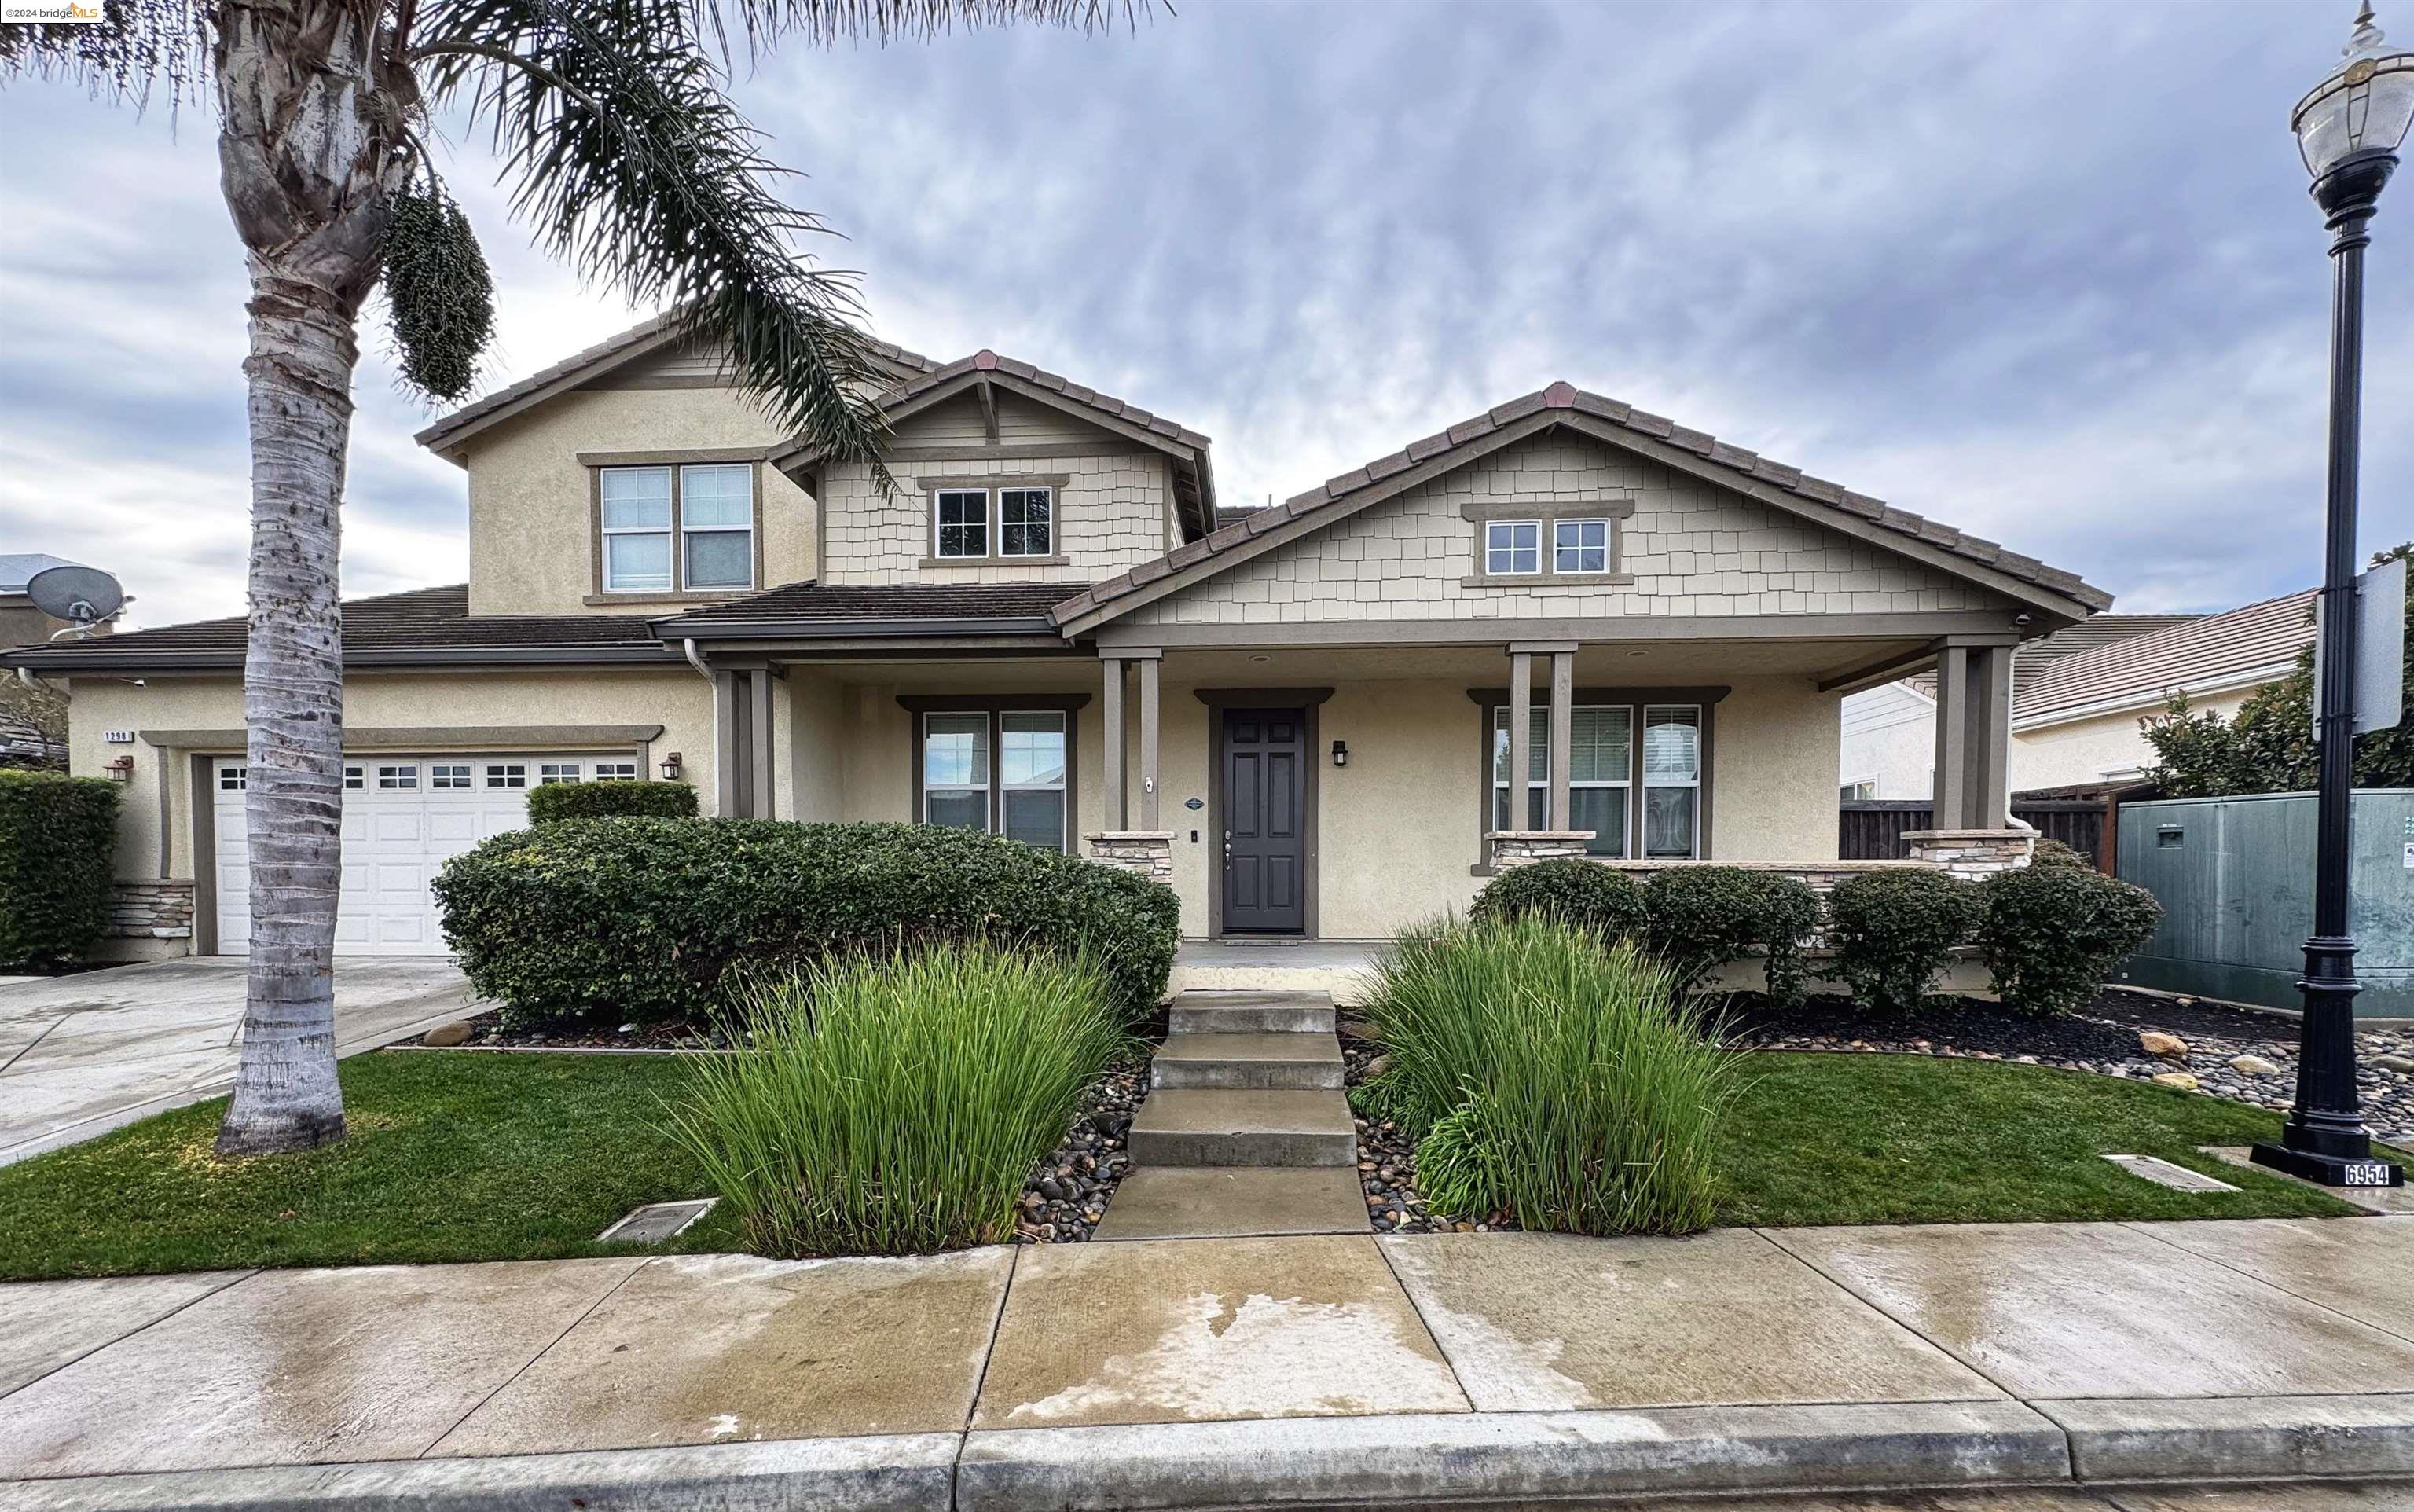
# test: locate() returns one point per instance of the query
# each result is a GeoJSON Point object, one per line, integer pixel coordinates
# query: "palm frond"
{"type": "Point", "coordinates": [136, 48]}
{"type": "Point", "coordinates": [827, 23]}
{"type": "Point", "coordinates": [630, 162]}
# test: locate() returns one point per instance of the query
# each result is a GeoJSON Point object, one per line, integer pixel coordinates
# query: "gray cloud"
{"type": "Point", "coordinates": [2046, 271]}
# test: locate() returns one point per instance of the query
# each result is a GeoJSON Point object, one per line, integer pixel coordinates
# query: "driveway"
{"type": "Point", "coordinates": [82, 1055]}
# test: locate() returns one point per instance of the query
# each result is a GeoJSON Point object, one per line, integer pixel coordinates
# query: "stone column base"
{"type": "Point", "coordinates": [1149, 852]}
{"type": "Point", "coordinates": [1970, 854]}
{"type": "Point", "coordinates": [1524, 848]}
{"type": "Point", "coordinates": [161, 911]}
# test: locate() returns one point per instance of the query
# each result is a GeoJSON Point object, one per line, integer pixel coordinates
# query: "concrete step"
{"type": "Point", "coordinates": [1175, 1201]}
{"type": "Point", "coordinates": [1198, 1013]}
{"type": "Point", "coordinates": [1218, 1127]}
{"type": "Point", "coordinates": [1268, 1062]}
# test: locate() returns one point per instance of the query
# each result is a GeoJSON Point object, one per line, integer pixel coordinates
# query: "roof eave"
{"type": "Point", "coordinates": [134, 659]}
{"type": "Point", "coordinates": [799, 628]}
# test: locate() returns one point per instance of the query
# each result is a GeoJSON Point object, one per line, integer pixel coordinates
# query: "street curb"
{"type": "Point", "coordinates": [2185, 1441]}
{"type": "Point", "coordinates": [1453, 1459]}
{"type": "Point", "coordinates": [895, 1472]}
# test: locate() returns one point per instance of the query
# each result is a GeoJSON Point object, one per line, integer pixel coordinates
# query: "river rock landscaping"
{"type": "Point", "coordinates": [1068, 1192]}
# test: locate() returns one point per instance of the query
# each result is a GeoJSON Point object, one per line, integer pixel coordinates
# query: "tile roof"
{"type": "Point", "coordinates": [598, 356]}
{"type": "Point", "coordinates": [1747, 468]}
{"type": "Point", "coordinates": [434, 619]}
{"type": "Point", "coordinates": [2256, 643]}
{"type": "Point", "coordinates": [877, 602]}
{"type": "Point", "coordinates": [2034, 656]}
{"type": "Point", "coordinates": [987, 360]}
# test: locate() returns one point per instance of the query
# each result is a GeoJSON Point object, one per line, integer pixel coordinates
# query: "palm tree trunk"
{"type": "Point", "coordinates": [312, 116]}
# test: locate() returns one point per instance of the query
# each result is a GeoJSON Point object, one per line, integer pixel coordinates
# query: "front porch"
{"type": "Point", "coordinates": [1339, 792]}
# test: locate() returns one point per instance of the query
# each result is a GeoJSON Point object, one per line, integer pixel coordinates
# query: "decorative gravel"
{"type": "Point", "coordinates": [1069, 1188]}
{"type": "Point", "coordinates": [1387, 1159]}
{"type": "Point", "coordinates": [487, 1030]}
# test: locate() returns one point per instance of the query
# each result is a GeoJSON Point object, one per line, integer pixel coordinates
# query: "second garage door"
{"type": "Point", "coordinates": [403, 816]}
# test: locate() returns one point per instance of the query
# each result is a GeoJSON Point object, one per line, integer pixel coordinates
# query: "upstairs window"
{"type": "Point", "coordinates": [669, 530]}
{"type": "Point", "coordinates": [960, 527]}
{"type": "Point", "coordinates": [1580, 545]}
{"type": "Point", "coordinates": [1026, 521]}
{"type": "Point", "coordinates": [1513, 547]}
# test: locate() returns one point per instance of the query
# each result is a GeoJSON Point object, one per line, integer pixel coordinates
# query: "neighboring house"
{"type": "Point", "coordinates": [2079, 697]}
{"type": "Point", "coordinates": [1305, 717]}
{"type": "Point", "coordinates": [21, 623]}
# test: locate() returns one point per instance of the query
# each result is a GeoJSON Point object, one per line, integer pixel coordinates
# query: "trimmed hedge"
{"type": "Point", "coordinates": [610, 800]}
{"type": "Point", "coordinates": [58, 840]}
{"type": "Point", "coordinates": [1789, 916]}
{"type": "Point", "coordinates": [2051, 853]}
{"type": "Point", "coordinates": [2050, 935]}
{"type": "Point", "coordinates": [1894, 929]}
{"type": "Point", "coordinates": [1595, 898]}
{"type": "Point", "coordinates": [665, 919]}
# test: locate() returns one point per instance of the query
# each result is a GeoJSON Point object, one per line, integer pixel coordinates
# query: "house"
{"type": "Point", "coordinates": [1305, 717]}
{"type": "Point", "coordinates": [21, 623]}
{"type": "Point", "coordinates": [2079, 697]}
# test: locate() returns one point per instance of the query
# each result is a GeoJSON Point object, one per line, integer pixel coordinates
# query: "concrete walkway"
{"type": "Point", "coordinates": [1255, 1372]}
{"type": "Point", "coordinates": [82, 1055]}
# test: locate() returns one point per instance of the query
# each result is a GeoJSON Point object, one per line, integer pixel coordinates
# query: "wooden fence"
{"type": "Point", "coordinates": [1873, 828]}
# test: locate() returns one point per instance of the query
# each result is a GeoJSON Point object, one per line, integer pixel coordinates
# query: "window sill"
{"type": "Point", "coordinates": [1549, 579]}
{"type": "Point", "coordinates": [718, 595]}
{"type": "Point", "coordinates": [929, 562]}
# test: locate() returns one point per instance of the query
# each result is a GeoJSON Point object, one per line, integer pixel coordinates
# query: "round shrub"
{"type": "Point", "coordinates": [1591, 897]}
{"type": "Point", "coordinates": [2055, 853]}
{"type": "Point", "coordinates": [1894, 930]}
{"type": "Point", "coordinates": [1703, 917]}
{"type": "Point", "coordinates": [2050, 935]}
{"type": "Point", "coordinates": [610, 800]}
{"type": "Point", "coordinates": [656, 919]}
{"type": "Point", "coordinates": [1789, 915]}
{"type": "Point", "coordinates": [58, 844]}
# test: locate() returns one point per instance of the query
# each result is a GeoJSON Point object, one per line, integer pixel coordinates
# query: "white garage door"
{"type": "Point", "coordinates": [403, 816]}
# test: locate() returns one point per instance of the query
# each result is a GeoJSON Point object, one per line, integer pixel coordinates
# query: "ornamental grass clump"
{"type": "Point", "coordinates": [894, 1105]}
{"type": "Point", "coordinates": [1551, 1075]}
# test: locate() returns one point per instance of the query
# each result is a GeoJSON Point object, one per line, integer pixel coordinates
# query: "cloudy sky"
{"type": "Point", "coordinates": [2045, 271]}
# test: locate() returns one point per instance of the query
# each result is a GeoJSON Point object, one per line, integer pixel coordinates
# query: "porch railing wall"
{"type": "Point", "coordinates": [1872, 830]}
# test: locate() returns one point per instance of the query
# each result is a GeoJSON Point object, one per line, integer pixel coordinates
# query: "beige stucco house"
{"type": "Point", "coordinates": [1305, 717]}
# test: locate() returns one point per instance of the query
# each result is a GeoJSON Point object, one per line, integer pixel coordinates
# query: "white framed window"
{"type": "Point", "coordinates": [1860, 792]}
{"type": "Point", "coordinates": [1580, 545]}
{"type": "Point", "coordinates": [449, 776]}
{"type": "Point", "coordinates": [1601, 757]}
{"type": "Point", "coordinates": [959, 522]}
{"type": "Point", "coordinates": [549, 772]}
{"type": "Point", "coordinates": [955, 769]}
{"type": "Point", "coordinates": [399, 778]}
{"type": "Point", "coordinates": [636, 523]}
{"type": "Point", "coordinates": [1513, 547]}
{"type": "Point", "coordinates": [716, 516]}
{"type": "Point", "coordinates": [233, 779]}
{"type": "Point", "coordinates": [1672, 781]}
{"type": "Point", "coordinates": [354, 777]}
{"type": "Point", "coordinates": [616, 772]}
{"type": "Point", "coordinates": [507, 774]}
{"type": "Point", "coordinates": [1026, 522]}
{"type": "Point", "coordinates": [1031, 777]}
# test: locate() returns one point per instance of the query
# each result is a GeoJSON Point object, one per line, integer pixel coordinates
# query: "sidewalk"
{"type": "Point", "coordinates": [1442, 1368]}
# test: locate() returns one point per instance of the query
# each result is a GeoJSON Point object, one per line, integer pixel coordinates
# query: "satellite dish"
{"type": "Point", "coordinates": [79, 595]}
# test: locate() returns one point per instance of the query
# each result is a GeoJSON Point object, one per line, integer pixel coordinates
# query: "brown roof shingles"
{"type": "Point", "coordinates": [871, 601]}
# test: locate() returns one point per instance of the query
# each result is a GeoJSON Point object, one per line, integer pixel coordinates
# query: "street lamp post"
{"type": "Point", "coordinates": [2349, 129]}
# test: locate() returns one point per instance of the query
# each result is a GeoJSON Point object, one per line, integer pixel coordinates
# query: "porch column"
{"type": "Point", "coordinates": [1148, 783]}
{"type": "Point", "coordinates": [1556, 812]}
{"type": "Point", "coordinates": [1521, 725]}
{"type": "Point", "coordinates": [728, 744]}
{"type": "Point", "coordinates": [1973, 737]}
{"type": "Point", "coordinates": [1110, 749]}
{"type": "Point", "coordinates": [761, 794]}
{"type": "Point", "coordinates": [1147, 849]}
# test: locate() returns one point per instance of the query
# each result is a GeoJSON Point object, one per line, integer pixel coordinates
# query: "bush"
{"type": "Point", "coordinates": [653, 919]}
{"type": "Point", "coordinates": [2055, 853]}
{"type": "Point", "coordinates": [1894, 929]}
{"type": "Point", "coordinates": [1551, 1076]}
{"type": "Point", "coordinates": [610, 800]}
{"type": "Point", "coordinates": [58, 844]}
{"type": "Point", "coordinates": [895, 1106]}
{"type": "Point", "coordinates": [1704, 917]}
{"type": "Point", "coordinates": [1584, 893]}
{"type": "Point", "coordinates": [1789, 915]}
{"type": "Point", "coordinates": [2050, 935]}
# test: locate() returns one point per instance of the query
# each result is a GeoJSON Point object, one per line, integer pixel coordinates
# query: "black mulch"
{"type": "Point", "coordinates": [1966, 1023]}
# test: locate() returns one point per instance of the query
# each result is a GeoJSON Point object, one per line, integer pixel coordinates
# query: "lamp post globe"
{"type": "Point", "coordinates": [2349, 129]}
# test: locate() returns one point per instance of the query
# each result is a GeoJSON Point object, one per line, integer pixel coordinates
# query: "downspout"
{"type": "Point", "coordinates": [696, 661]}
{"type": "Point", "coordinates": [693, 659]}
{"type": "Point", "coordinates": [25, 675]}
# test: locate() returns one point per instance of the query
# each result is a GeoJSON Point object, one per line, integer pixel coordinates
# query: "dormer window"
{"type": "Point", "coordinates": [1013, 522]}
{"type": "Point", "coordinates": [687, 528]}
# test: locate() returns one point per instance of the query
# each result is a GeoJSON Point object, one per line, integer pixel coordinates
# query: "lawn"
{"type": "Point", "coordinates": [521, 1157]}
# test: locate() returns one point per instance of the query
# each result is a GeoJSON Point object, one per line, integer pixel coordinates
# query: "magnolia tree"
{"type": "Point", "coordinates": [625, 159]}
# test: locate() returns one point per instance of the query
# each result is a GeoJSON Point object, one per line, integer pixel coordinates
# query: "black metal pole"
{"type": "Point", "coordinates": [2324, 1138]}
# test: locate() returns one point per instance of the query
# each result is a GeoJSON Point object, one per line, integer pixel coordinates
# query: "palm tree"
{"type": "Point", "coordinates": [626, 158]}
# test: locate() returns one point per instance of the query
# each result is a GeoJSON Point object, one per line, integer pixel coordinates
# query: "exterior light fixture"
{"type": "Point", "coordinates": [121, 769]}
{"type": "Point", "coordinates": [1341, 753]}
{"type": "Point", "coordinates": [2349, 129]}
{"type": "Point", "coordinates": [670, 767]}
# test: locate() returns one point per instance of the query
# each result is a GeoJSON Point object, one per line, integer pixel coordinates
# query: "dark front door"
{"type": "Point", "coordinates": [1265, 821]}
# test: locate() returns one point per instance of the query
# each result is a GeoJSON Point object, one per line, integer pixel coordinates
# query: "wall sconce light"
{"type": "Point", "coordinates": [1341, 753]}
{"type": "Point", "coordinates": [671, 768]}
{"type": "Point", "coordinates": [121, 769]}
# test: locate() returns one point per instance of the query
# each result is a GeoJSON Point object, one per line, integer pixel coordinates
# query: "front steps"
{"type": "Point", "coordinates": [1244, 1131]}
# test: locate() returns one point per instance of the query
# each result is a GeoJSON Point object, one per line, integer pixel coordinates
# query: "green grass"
{"type": "Point", "coordinates": [1833, 1138]}
{"type": "Point", "coordinates": [518, 1157]}
{"type": "Point", "coordinates": [451, 1155]}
